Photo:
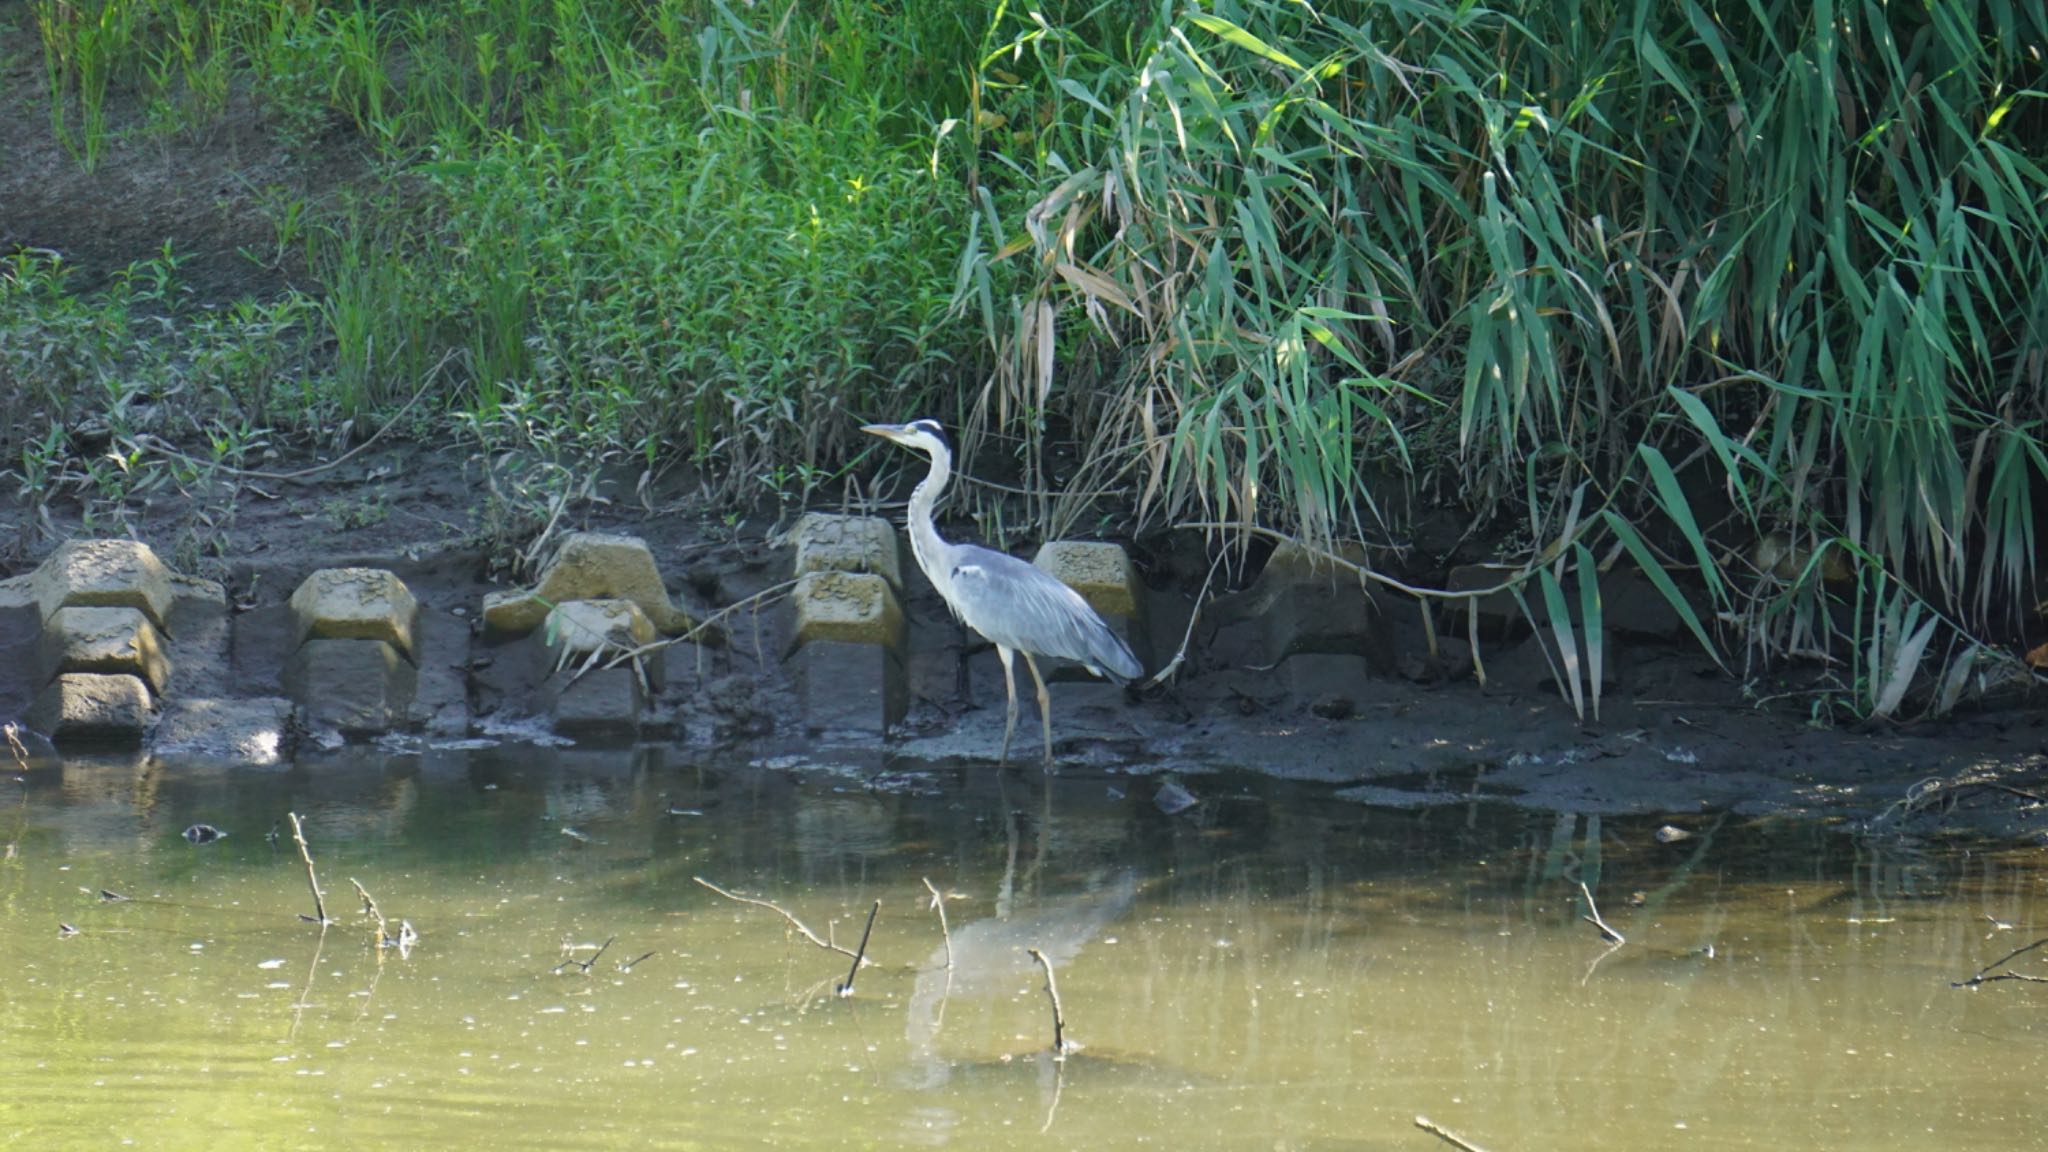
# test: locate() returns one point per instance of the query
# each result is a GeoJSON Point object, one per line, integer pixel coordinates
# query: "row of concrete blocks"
{"type": "Point", "coordinates": [595, 623]}
{"type": "Point", "coordinates": [105, 611]}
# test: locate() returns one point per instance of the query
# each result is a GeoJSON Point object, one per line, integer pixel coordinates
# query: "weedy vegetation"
{"type": "Point", "coordinates": [1746, 301]}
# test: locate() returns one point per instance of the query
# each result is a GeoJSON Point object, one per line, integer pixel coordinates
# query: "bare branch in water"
{"type": "Point", "coordinates": [1606, 931]}
{"type": "Point", "coordinates": [939, 906]}
{"type": "Point", "coordinates": [319, 902]}
{"type": "Point", "coordinates": [1989, 972]}
{"type": "Point", "coordinates": [846, 988]}
{"type": "Point", "coordinates": [1446, 1135]}
{"type": "Point", "coordinates": [369, 906]}
{"type": "Point", "coordinates": [1059, 1017]}
{"type": "Point", "coordinates": [584, 966]}
{"type": "Point", "coordinates": [780, 911]}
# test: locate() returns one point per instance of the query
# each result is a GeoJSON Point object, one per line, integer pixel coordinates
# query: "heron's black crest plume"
{"type": "Point", "coordinates": [931, 428]}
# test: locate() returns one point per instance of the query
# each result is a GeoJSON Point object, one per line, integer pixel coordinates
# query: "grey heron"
{"type": "Point", "coordinates": [1017, 606]}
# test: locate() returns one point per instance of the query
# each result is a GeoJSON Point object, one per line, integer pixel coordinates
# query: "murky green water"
{"type": "Point", "coordinates": [1275, 969]}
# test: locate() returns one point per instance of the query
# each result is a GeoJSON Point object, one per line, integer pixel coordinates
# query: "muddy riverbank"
{"type": "Point", "coordinates": [1674, 735]}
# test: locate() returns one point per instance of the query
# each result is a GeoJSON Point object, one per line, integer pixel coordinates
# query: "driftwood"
{"type": "Point", "coordinates": [939, 906]}
{"type": "Point", "coordinates": [1059, 1018]}
{"type": "Point", "coordinates": [1446, 1135]}
{"type": "Point", "coordinates": [846, 988]}
{"type": "Point", "coordinates": [319, 915]}
{"type": "Point", "coordinates": [1990, 972]}
{"type": "Point", "coordinates": [1607, 932]}
{"type": "Point", "coordinates": [779, 910]}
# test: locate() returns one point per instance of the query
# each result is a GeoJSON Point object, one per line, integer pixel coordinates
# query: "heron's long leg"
{"type": "Point", "coordinates": [1007, 655]}
{"type": "Point", "coordinates": [1044, 707]}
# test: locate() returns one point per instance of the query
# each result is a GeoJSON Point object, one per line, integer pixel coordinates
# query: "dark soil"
{"type": "Point", "coordinates": [209, 195]}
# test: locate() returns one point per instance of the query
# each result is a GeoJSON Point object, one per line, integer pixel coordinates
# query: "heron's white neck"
{"type": "Point", "coordinates": [924, 533]}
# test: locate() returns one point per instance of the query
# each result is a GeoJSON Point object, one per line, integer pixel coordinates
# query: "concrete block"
{"type": "Point", "coordinates": [357, 686]}
{"type": "Point", "coordinates": [830, 543]}
{"type": "Point", "coordinates": [850, 687]}
{"type": "Point", "coordinates": [1100, 572]}
{"type": "Point", "coordinates": [847, 607]}
{"type": "Point", "coordinates": [589, 566]}
{"type": "Point", "coordinates": [105, 574]}
{"type": "Point", "coordinates": [603, 703]}
{"type": "Point", "coordinates": [608, 628]}
{"type": "Point", "coordinates": [355, 604]}
{"type": "Point", "coordinates": [106, 640]}
{"type": "Point", "coordinates": [1302, 603]}
{"type": "Point", "coordinates": [93, 708]}
{"type": "Point", "coordinates": [242, 731]}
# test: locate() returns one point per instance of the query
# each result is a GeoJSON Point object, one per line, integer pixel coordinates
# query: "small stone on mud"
{"type": "Point", "coordinates": [1672, 834]}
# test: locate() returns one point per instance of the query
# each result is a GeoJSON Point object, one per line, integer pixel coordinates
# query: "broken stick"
{"type": "Point", "coordinates": [319, 902]}
{"type": "Point", "coordinates": [939, 906]}
{"type": "Point", "coordinates": [778, 910]}
{"type": "Point", "coordinates": [1593, 917]}
{"type": "Point", "coordinates": [1052, 992]}
{"type": "Point", "coordinates": [846, 989]}
{"type": "Point", "coordinates": [1446, 1135]}
{"type": "Point", "coordinates": [1989, 972]}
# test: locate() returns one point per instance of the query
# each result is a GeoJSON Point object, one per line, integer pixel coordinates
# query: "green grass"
{"type": "Point", "coordinates": [1628, 282]}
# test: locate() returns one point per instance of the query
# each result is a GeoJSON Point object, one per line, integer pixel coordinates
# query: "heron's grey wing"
{"type": "Point", "coordinates": [1018, 605]}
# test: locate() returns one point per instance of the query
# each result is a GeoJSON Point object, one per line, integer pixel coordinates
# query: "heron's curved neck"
{"type": "Point", "coordinates": [924, 533]}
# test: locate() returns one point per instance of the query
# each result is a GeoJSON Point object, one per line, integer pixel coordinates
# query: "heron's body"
{"type": "Point", "coordinates": [1017, 606]}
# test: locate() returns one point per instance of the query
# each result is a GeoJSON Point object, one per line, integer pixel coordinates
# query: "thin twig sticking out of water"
{"type": "Point", "coordinates": [846, 989]}
{"type": "Point", "coordinates": [1059, 1018]}
{"type": "Point", "coordinates": [780, 911]}
{"type": "Point", "coordinates": [14, 746]}
{"type": "Point", "coordinates": [369, 907]}
{"type": "Point", "coordinates": [584, 966]}
{"type": "Point", "coordinates": [939, 906]}
{"type": "Point", "coordinates": [319, 902]}
{"type": "Point", "coordinates": [1985, 975]}
{"type": "Point", "coordinates": [1446, 1135]}
{"type": "Point", "coordinates": [1607, 932]}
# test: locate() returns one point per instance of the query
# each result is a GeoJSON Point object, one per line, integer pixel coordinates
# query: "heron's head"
{"type": "Point", "coordinates": [924, 435]}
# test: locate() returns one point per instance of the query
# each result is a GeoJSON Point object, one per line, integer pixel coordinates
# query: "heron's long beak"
{"type": "Point", "coordinates": [885, 431]}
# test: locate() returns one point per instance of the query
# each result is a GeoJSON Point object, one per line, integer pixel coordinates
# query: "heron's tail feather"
{"type": "Point", "coordinates": [1112, 657]}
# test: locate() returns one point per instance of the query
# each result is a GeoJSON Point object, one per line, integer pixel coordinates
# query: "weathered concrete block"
{"type": "Point", "coordinates": [829, 543]}
{"type": "Point", "coordinates": [244, 731]}
{"type": "Point", "coordinates": [589, 566]}
{"type": "Point", "coordinates": [1302, 603]}
{"type": "Point", "coordinates": [105, 574]}
{"type": "Point", "coordinates": [577, 630]}
{"type": "Point", "coordinates": [353, 685]}
{"type": "Point", "coordinates": [850, 687]}
{"type": "Point", "coordinates": [93, 708]}
{"type": "Point", "coordinates": [355, 604]}
{"type": "Point", "coordinates": [849, 607]}
{"type": "Point", "coordinates": [1100, 572]}
{"type": "Point", "coordinates": [106, 640]}
{"type": "Point", "coordinates": [1103, 575]}
{"type": "Point", "coordinates": [601, 703]}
